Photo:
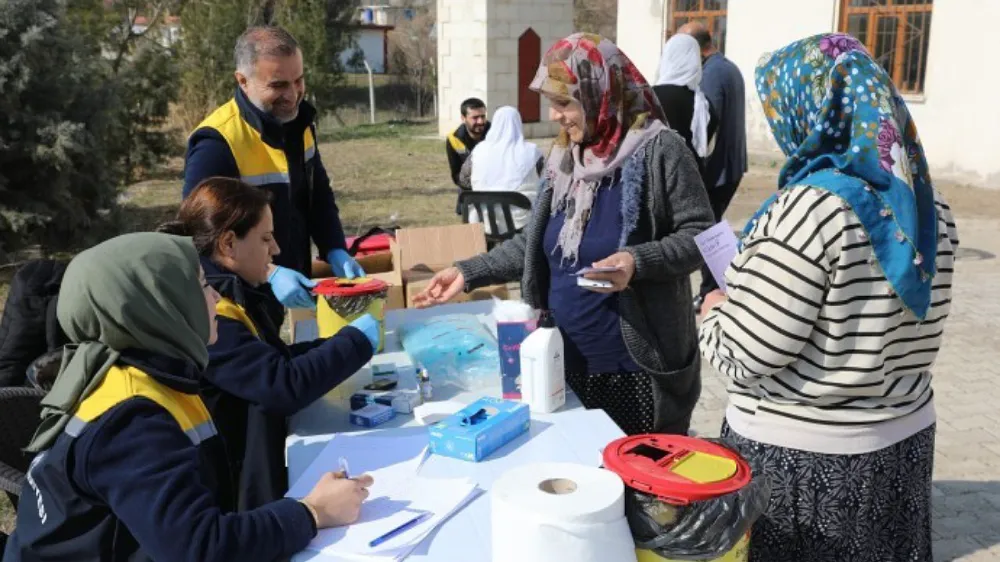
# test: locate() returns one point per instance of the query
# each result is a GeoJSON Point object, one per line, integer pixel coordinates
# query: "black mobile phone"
{"type": "Point", "coordinates": [379, 385]}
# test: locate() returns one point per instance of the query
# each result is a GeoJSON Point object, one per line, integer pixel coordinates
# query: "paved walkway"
{"type": "Point", "coordinates": [967, 397]}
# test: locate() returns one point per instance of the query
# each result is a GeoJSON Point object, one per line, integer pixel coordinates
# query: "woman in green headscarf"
{"type": "Point", "coordinates": [129, 464]}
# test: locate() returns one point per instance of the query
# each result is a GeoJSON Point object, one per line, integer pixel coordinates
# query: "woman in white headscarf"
{"type": "Point", "coordinates": [504, 161]}
{"type": "Point", "coordinates": [678, 87]}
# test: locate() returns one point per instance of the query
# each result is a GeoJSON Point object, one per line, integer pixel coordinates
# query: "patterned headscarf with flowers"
{"type": "Point", "coordinates": [622, 114]}
{"type": "Point", "coordinates": [838, 118]}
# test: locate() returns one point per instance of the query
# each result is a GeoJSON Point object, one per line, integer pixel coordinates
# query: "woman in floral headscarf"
{"type": "Point", "coordinates": [622, 192]}
{"type": "Point", "coordinates": [835, 314]}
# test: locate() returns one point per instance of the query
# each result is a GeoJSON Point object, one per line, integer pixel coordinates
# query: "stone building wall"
{"type": "Point", "coordinates": [485, 50]}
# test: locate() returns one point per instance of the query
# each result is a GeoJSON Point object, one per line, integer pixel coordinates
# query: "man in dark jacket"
{"type": "Point", "coordinates": [266, 137]}
{"type": "Point", "coordinates": [462, 140]}
{"type": "Point", "coordinates": [722, 83]}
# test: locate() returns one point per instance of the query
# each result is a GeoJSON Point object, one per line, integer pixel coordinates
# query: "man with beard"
{"type": "Point", "coordinates": [462, 140]}
{"type": "Point", "coordinates": [265, 136]}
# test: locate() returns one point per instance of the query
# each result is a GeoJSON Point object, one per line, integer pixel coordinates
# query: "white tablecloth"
{"type": "Point", "coordinates": [570, 435]}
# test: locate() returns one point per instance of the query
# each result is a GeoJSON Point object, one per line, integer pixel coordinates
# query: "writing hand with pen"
{"type": "Point", "coordinates": [336, 500]}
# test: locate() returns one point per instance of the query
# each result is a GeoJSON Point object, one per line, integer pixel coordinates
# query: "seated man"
{"type": "Point", "coordinates": [463, 139]}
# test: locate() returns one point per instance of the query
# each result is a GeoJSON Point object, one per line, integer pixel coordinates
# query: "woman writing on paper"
{"type": "Point", "coordinates": [128, 464]}
{"type": "Point", "coordinates": [835, 314]}
{"type": "Point", "coordinates": [254, 380]}
{"type": "Point", "coordinates": [504, 161]}
{"type": "Point", "coordinates": [621, 191]}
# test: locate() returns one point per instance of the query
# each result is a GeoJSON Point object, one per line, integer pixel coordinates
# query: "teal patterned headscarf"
{"type": "Point", "coordinates": [843, 126]}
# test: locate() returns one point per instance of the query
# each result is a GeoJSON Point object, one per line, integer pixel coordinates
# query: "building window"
{"type": "Point", "coordinates": [710, 12]}
{"type": "Point", "coordinates": [896, 33]}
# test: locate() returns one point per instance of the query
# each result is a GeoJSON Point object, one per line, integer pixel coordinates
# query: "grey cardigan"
{"type": "Point", "coordinates": [664, 206]}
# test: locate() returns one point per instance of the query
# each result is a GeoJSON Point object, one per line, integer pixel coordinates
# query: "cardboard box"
{"type": "Point", "coordinates": [437, 246]}
{"type": "Point", "coordinates": [413, 258]}
{"type": "Point", "coordinates": [474, 432]}
{"type": "Point", "coordinates": [422, 252]}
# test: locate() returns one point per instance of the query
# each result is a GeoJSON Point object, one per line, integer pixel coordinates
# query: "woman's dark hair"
{"type": "Point", "coordinates": [215, 207]}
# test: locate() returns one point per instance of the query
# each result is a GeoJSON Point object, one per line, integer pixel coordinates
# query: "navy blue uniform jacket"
{"type": "Point", "coordinates": [254, 382]}
{"type": "Point", "coordinates": [304, 208]}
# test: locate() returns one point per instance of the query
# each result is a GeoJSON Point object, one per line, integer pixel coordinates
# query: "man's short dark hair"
{"type": "Point", "coordinates": [704, 38]}
{"type": "Point", "coordinates": [262, 41]}
{"type": "Point", "coordinates": [472, 103]}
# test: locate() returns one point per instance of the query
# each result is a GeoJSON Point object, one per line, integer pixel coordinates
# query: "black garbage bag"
{"type": "Point", "coordinates": [702, 530]}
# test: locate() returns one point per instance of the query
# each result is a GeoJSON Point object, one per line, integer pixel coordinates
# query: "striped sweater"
{"type": "Point", "coordinates": [812, 338]}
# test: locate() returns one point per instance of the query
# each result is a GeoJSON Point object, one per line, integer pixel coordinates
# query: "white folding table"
{"type": "Point", "coordinates": [572, 434]}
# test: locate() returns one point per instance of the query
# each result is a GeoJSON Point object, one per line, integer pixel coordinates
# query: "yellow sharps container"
{"type": "Point", "coordinates": [341, 301]}
{"type": "Point", "coordinates": [665, 476]}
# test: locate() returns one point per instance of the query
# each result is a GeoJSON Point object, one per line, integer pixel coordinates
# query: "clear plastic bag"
{"type": "Point", "coordinates": [703, 530]}
{"type": "Point", "coordinates": [455, 349]}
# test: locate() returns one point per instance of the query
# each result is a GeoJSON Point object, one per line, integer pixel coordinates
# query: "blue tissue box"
{"type": "Point", "coordinates": [484, 426]}
{"type": "Point", "coordinates": [372, 415]}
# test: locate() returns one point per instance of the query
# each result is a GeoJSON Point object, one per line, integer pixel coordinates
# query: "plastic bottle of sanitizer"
{"type": "Point", "coordinates": [543, 371]}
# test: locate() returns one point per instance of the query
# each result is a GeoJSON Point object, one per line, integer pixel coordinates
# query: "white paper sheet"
{"type": "Point", "coordinates": [718, 245]}
{"type": "Point", "coordinates": [389, 460]}
{"type": "Point", "coordinates": [383, 513]}
{"type": "Point", "coordinates": [398, 494]}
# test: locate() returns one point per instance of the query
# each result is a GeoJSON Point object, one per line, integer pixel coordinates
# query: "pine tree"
{"type": "Point", "coordinates": [143, 71]}
{"type": "Point", "coordinates": [209, 32]}
{"type": "Point", "coordinates": [56, 109]}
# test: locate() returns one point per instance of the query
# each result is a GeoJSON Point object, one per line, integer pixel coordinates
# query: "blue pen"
{"type": "Point", "coordinates": [411, 523]}
{"type": "Point", "coordinates": [343, 467]}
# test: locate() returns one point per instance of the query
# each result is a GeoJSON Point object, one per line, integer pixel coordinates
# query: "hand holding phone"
{"type": "Point", "coordinates": [594, 283]}
{"type": "Point", "coordinates": [610, 275]}
{"type": "Point", "coordinates": [587, 270]}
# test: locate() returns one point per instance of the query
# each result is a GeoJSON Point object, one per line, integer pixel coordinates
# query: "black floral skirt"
{"type": "Point", "coordinates": [872, 507]}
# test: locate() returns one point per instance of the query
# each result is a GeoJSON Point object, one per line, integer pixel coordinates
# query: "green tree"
{"type": "Point", "coordinates": [56, 109]}
{"type": "Point", "coordinates": [322, 28]}
{"type": "Point", "coordinates": [147, 84]}
{"type": "Point", "coordinates": [209, 32]}
{"type": "Point", "coordinates": [413, 57]}
{"type": "Point", "coordinates": [142, 70]}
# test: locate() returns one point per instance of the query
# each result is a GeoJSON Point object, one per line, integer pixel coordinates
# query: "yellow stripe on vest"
{"type": "Point", "coordinates": [456, 144]}
{"type": "Point", "coordinates": [259, 164]}
{"type": "Point", "coordinates": [229, 309]}
{"type": "Point", "coordinates": [123, 383]}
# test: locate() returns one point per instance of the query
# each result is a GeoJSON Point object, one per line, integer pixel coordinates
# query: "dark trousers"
{"type": "Point", "coordinates": [719, 197]}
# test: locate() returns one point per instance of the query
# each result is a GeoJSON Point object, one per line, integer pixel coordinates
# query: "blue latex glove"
{"type": "Point", "coordinates": [291, 288]}
{"type": "Point", "coordinates": [370, 327]}
{"type": "Point", "coordinates": [343, 264]}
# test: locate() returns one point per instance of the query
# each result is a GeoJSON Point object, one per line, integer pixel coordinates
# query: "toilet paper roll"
{"type": "Point", "coordinates": [560, 511]}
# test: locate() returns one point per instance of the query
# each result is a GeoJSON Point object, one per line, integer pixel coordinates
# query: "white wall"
{"type": "Point", "coordinates": [461, 30]}
{"type": "Point", "coordinates": [477, 53]}
{"type": "Point", "coordinates": [957, 117]}
{"type": "Point", "coordinates": [641, 31]}
{"type": "Point", "coordinates": [757, 27]}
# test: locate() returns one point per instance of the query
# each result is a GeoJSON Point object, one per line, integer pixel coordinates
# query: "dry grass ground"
{"type": "Point", "coordinates": [396, 174]}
